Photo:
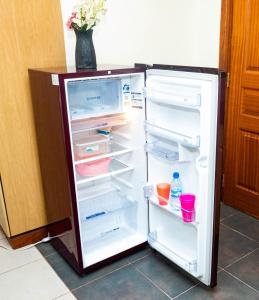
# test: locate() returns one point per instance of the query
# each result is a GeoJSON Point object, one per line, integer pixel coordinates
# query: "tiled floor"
{"type": "Point", "coordinates": [145, 275]}
{"type": "Point", "coordinates": [26, 275]}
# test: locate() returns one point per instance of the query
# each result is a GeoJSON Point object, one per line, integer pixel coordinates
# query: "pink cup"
{"type": "Point", "coordinates": [187, 207]}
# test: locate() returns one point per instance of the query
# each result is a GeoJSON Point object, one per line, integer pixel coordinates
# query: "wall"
{"type": "Point", "coordinates": [166, 31]}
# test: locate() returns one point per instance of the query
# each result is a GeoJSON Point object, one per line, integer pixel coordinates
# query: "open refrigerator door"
{"type": "Point", "coordinates": [181, 133]}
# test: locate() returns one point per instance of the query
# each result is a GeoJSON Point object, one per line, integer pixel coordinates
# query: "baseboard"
{"type": "Point", "coordinates": [36, 235]}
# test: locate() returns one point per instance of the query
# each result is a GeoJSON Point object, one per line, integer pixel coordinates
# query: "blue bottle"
{"type": "Point", "coordinates": [176, 191]}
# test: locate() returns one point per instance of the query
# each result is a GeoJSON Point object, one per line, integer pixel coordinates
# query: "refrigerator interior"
{"type": "Point", "coordinates": [181, 136]}
{"type": "Point", "coordinates": [106, 117]}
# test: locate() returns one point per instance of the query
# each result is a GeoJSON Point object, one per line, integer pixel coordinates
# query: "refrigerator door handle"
{"type": "Point", "coordinates": [201, 162]}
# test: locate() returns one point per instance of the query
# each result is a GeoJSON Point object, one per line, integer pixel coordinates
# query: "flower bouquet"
{"type": "Point", "coordinates": [83, 18]}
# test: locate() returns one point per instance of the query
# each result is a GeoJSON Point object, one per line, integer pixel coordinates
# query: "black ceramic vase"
{"type": "Point", "coordinates": [85, 53]}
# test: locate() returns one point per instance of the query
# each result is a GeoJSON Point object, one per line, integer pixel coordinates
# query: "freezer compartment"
{"type": "Point", "coordinates": [99, 169]}
{"type": "Point", "coordinates": [88, 97]}
{"type": "Point", "coordinates": [105, 95]}
{"type": "Point", "coordinates": [173, 238]}
{"type": "Point", "coordinates": [108, 220]}
{"type": "Point", "coordinates": [170, 91]}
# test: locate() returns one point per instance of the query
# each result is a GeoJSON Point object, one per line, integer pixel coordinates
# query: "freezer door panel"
{"type": "Point", "coordinates": [181, 130]}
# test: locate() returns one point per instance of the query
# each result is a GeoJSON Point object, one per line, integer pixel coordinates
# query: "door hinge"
{"type": "Point", "coordinates": [222, 180]}
{"type": "Point", "coordinates": [148, 191]}
{"type": "Point", "coordinates": [228, 79]}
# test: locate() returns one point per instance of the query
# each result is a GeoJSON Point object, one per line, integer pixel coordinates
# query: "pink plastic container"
{"type": "Point", "coordinates": [187, 207]}
{"type": "Point", "coordinates": [94, 168]}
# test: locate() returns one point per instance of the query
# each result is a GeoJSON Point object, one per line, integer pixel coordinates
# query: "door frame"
{"type": "Point", "coordinates": [225, 34]}
{"type": "Point", "coordinates": [224, 62]}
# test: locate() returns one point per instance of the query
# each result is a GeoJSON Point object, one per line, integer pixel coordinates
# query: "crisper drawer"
{"type": "Point", "coordinates": [105, 214]}
{"type": "Point", "coordinates": [90, 145]}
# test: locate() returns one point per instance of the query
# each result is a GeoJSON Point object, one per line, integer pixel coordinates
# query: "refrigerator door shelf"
{"type": "Point", "coordinates": [173, 91]}
{"type": "Point", "coordinates": [115, 167]}
{"type": "Point", "coordinates": [184, 100]}
{"type": "Point", "coordinates": [171, 210]}
{"type": "Point", "coordinates": [192, 141]}
{"type": "Point", "coordinates": [161, 152]}
{"type": "Point", "coordinates": [115, 149]}
{"type": "Point", "coordinates": [189, 264]}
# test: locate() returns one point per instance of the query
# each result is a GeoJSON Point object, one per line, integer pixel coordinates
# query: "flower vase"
{"type": "Point", "coordinates": [85, 53]}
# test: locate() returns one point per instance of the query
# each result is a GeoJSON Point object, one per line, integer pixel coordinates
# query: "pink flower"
{"type": "Point", "coordinates": [70, 21]}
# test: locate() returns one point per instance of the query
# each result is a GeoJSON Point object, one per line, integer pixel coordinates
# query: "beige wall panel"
{"type": "Point", "coordinates": [31, 35]}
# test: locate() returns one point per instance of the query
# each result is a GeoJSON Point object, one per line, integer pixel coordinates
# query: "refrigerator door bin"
{"type": "Point", "coordinates": [171, 210]}
{"type": "Point", "coordinates": [175, 239]}
{"type": "Point", "coordinates": [189, 264]}
{"type": "Point", "coordinates": [173, 92]}
{"type": "Point", "coordinates": [160, 150]}
{"type": "Point", "coordinates": [192, 141]}
{"type": "Point", "coordinates": [99, 169]}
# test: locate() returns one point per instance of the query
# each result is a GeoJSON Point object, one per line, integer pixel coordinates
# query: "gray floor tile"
{"type": "Point", "coordinates": [247, 269]}
{"type": "Point", "coordinates": [46, 249]}
{"type": "Point", "coordinates": [245, 224]}
{"type": "Point", "coordinates": [226, 211]}
{"type": "Point", "coordinates": [164, 274]}
{"type": "Point", "coordinates": [139, 254]}
{"type": "Point", "coordinates": [232, 246]}
{"type": "Point", "coordinates": [124, 284]}
{"type": "Point", "coordinates": [72, 279]}
{"type": "Point", "coordinates": [228, 288]}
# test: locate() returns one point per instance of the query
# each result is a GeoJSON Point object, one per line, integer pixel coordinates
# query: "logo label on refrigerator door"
{"type": "Point", "coordinates": [54, 79]}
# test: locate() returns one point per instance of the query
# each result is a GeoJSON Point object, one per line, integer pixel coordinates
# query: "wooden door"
{"type": "Point", "coordinates": [241, 188]}
{"type": "Point", "coordinates": [31, 36]}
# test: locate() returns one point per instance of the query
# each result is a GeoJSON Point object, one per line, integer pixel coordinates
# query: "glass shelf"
{"type": "Point", "coordinates": [102, 204]}
{"type": "Point", "coordinates": [114, 149]}
{"type": "Point", "coordinates": [88, 124]}
{"type": "Point", "coordinates": [115, 167]}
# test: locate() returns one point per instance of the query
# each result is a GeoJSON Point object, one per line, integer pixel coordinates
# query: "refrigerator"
{"type": "Point", "coordinates": [107, 137]}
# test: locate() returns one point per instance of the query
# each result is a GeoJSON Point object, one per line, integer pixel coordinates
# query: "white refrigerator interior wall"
{"type": "Point", "coordinates": [180, 32]}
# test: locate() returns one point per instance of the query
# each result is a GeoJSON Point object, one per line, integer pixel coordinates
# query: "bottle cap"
{"type": "Point", "coordinates": [176, 175]}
